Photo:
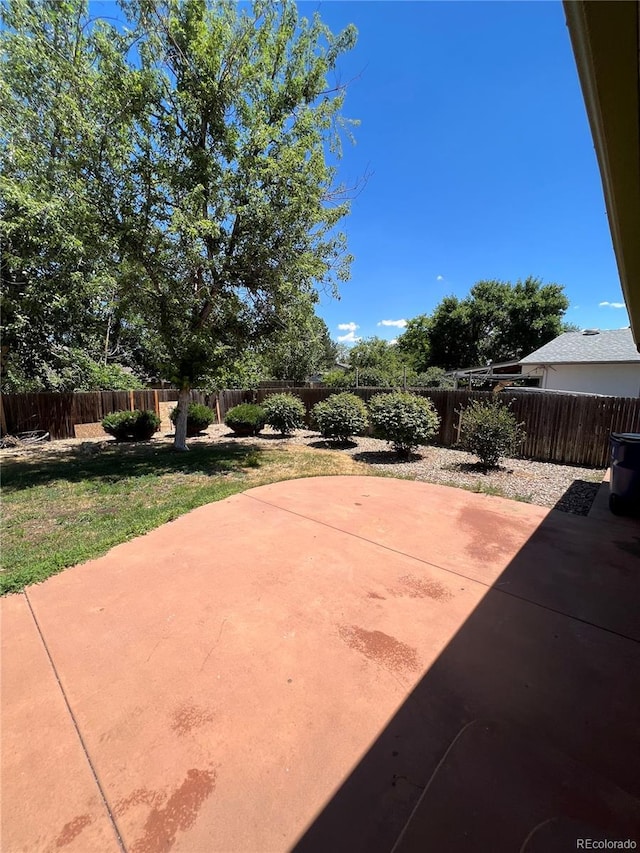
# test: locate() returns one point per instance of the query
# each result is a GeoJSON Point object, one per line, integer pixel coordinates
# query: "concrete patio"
{"type": "Point", "coordinates": [343, 664]}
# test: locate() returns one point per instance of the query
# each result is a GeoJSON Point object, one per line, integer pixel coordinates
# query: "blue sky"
{"type": "Point", "coordinates": [474, 130]}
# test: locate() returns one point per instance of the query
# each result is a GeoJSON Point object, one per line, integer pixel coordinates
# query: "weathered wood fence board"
{"type": "Point", "coordinates": [560, 428]}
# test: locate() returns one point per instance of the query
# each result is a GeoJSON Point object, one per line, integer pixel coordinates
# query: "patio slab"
{"type": "Point", "coordinates": [286, 668]}
{"type": "Point", "coordinates": [50, 797]}
{"type": "Point", "coordinates": [585, 569]}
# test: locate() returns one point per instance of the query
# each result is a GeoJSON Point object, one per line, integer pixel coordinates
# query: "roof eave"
{"type": "Point", "coordinates": [606, 42]}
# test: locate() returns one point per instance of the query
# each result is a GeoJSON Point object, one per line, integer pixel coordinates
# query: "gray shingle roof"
{"type": "Point", "coordinates": [572, 347]}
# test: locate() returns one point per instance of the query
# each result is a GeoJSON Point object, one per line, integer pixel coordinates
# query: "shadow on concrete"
{"type": "Point", "coordinates": [547, 668]}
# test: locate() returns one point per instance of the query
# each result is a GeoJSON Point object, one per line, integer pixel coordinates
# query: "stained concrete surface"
{"type": "Point", "coordinates": [286, 669]}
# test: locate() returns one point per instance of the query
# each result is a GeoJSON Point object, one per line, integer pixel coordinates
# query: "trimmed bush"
{"type": "Point", "coordinates": [199, 417]}
{"type": "Point", "coordinates": [404, 420]}
{"type": "Point", "coordinates": [245, 419]}
{"type": "Point", "coordinates": [490, 431]}
{"type": "Point", "coordinates": [340, 416]}
{"type": "Point", "coordinates": [131, 426]}
{"type": "Point", "coordinates": [284, 412]}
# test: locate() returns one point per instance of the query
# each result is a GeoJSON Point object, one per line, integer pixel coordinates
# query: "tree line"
{"type": "Point", "coordinates": [497, 321]}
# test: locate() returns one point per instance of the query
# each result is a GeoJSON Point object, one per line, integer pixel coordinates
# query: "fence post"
{"type": "Point", "coordinates": [156, 402]}
{"type": "Point", "coordinates": [131, 401]}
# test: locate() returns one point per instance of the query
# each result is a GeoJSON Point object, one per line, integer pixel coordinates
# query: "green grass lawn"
{"type": "Point", "coordinates": [62, 507]}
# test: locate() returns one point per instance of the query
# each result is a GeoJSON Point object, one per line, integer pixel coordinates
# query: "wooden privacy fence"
{"type": "Point", "coordinates": [565, 428]}
{"type": "Point", "coordinates": [59, 413]}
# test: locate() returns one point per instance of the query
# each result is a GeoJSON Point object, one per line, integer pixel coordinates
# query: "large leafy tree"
{"type": "Point", "coordinates": [496, 322]}
{"type": "Point", "coordinates": [226, 211]}
{"type": "Point", "coordinates": [301, 345]}
{"type": "Point", "coordinates": [169, 183]}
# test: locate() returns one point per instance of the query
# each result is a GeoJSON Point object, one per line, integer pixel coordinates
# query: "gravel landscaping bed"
{"type": "Point", "coordinates": [565, 487]}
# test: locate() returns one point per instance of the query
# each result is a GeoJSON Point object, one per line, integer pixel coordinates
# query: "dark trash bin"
{"type": "Point", "coordinates": [624, 487]}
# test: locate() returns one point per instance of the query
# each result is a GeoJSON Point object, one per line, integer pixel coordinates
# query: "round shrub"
{"type": "Point", "coordinates": [199, 417]}
{"type": "Point", "coordinates": [340, 416]}
{"type": "Point", "coordinates": [245, 419]}
{"type": "Point", "coordinates": [490, 431]}
{"type": "Point", "coordinates": [404, 420]}
{"type": "Point", "coordinates": [131, 426]}
{"type": "Point", "coordinates": [284, 412]}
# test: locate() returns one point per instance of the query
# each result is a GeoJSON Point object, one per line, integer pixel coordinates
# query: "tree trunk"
{"type": "Point", "coordinates": [180, 439]}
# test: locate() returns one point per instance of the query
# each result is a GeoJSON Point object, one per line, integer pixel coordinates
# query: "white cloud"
{"type": "Point", "coordinates": [612, 304]}
{"type": "Point", "coordinates": [439, 278]}
{"type": "Point", "coordinates": [393, 342]}
{"type": "Point", "coordinates": [399, 324]}
{"type": "Point", "coordinates": [349, 338]}
{"type": "Point", "coordinates": [348, 327]}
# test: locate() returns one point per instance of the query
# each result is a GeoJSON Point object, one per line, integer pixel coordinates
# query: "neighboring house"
{"type": "Point", "coordinates": [593, 361]}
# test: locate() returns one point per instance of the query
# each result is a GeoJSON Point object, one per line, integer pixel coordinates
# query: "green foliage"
{"type": "Point", "coordinates": [338, 378]}
{"type": "Point", "coordinates": [131, 426]}
{"type": "Point", "coordinates": [432, 377]}
{"type": "Point", "coordinates": [105, 377]}
{"type": "Point", "coordinates": [496, 322]}
{"type": "Point", "coordinates": [379, 363]}
{"type": "Point", "coordinates": [284, 412]}
{"type": "Point", "coordinates": [340, 416]}
{"type": "Point", "coordinates": [370, 377]}
{"type": "Point", "coordinates": [404, 420]}
{"type": "Point", "coordinates": [301, 347]}
{"type": "Point", "coordinates": [68, 370]}
{"type": "Point", "coordinates": [245, 419]}
{"type": "Point", "coordinates": [61, 271]}
{"type": "Point", "coordinates": [245, 372]}
{"type": "Point", "coordinates": [413, 343]}
{"type": "Point", "coordinates": [199, 417]}
{"type": "Point", "coordinates": [490, 431]}
{"type": "Point", "coordinates": [374, 363]}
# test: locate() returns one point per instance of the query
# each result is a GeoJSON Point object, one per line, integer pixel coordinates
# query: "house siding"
{"type": "Point", "coordinates": [616, 380]}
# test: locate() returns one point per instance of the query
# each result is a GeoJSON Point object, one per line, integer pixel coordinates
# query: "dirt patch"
{"type": "Point", "coordinates": [85, 431]}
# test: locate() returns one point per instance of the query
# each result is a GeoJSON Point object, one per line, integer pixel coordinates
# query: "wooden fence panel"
{"type": "Point", "coordinates": [563, 428]}
{"type": "Point", "coordinates": [571, 429]}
